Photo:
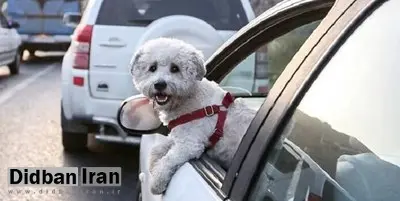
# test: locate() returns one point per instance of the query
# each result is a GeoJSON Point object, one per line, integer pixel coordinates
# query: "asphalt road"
{"type": "Point", "coordinates": [30, 137]}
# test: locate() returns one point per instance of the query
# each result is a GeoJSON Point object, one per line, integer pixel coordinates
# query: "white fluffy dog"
{"type": "Point", "coordinates": [171, 73]}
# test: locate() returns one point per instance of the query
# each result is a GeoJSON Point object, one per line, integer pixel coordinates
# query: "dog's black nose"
{"type": "Point", "coordinates": [160, 85]}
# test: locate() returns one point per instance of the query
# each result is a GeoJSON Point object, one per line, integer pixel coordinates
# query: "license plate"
{"type": "Point", "coordinates": [43, 39]}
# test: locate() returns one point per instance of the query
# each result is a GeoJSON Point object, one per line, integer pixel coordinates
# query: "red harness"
{"type": "Point", "coordinates": [207, 112]}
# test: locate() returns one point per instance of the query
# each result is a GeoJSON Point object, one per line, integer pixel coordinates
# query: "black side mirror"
{"type": "Point", "coordinates": [136, 116]}
{"type": "Point", "coordinates": [13, 25]}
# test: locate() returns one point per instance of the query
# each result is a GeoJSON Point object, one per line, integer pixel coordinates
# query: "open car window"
{"type": "Point", "coordinates": [257, 73]}
{"type": "Point", "coordinates": [241, 81]}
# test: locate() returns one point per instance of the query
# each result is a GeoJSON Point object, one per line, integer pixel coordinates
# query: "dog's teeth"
{"type": "Point", "coordinates": [162, 98]}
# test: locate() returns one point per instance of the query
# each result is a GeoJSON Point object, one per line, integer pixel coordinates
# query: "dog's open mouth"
{"type": "Point", "coordinates": [161, 98]}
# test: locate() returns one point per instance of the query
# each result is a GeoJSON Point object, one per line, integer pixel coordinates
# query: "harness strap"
{"type": "Point", "coordinates": [197, 114]}
{"type": "Point", "coordinates": [207, 112]}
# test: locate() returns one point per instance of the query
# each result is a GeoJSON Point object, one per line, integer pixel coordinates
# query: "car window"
{"type": "Point", "coordinates": [258, 72]}
{"type": "Point", "coordinates": [346, 126]}
{"type": "Point", "coordinates": [221, 14]}
{"type": "Point", "coordinates": [3, 21]}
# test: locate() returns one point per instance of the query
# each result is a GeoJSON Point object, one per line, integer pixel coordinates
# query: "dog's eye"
{"type": "Point", "coordinates": [153, 68]}
{"type": "Point", "coordinates": [174, 68]}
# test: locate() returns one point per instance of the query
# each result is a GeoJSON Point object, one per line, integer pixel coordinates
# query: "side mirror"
{"type": "Point", "coordinates": [136, 116]}
{"type": "Point", "coordinates": [13, 24]}
{"type": "Point", "coordinates": [71, 19]}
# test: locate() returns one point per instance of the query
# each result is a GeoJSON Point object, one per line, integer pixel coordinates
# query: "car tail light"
{"type": "Point", "coordinates": [81, 46]}
{"type": "Point", "coordinates": [78, 81]}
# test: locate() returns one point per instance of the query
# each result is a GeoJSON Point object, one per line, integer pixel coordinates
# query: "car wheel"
{"type": "Point", "coordinates": [74, 142]}
{"type": "Point", "coordinates": [14, 66]}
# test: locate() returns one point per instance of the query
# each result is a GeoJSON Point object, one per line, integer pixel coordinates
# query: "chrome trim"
{"type": "Point", "coordinates": [118, 139]}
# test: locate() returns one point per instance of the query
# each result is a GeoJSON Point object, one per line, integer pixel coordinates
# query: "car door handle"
{"type": "Point", "coordinates": [113, 44]}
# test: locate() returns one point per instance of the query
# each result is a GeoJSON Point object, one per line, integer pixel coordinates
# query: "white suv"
{"type": "Point", "coordinates": [95, 69]}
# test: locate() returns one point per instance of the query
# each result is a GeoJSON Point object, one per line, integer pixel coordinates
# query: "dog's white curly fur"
{"type": "Point", "coordinates": [187, 90]}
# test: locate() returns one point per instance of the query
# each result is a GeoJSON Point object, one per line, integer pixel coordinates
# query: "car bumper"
{"type": "Point", "coordinates": [78, 105]}
{"type": "Point", "coordinates": [48, 43]}
{"type": "Point", "coordinates": [122, 136]}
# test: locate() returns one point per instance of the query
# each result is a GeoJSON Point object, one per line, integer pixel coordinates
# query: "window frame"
{"type": "Point", "coordinates": [304, 68]}
{"type": "Point", "coordinates": [276, 22]}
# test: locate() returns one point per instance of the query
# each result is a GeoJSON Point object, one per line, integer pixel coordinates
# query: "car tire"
{"type": "Point", "coordinates": [14, 66]}
{"type": "Point", "coordinates": [74, 142]}
{"type": "Point", "coordinates": [71, 125]}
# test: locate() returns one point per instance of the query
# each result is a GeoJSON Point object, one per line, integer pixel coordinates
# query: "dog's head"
{"type": "Point", "coordinates": [167, 71]}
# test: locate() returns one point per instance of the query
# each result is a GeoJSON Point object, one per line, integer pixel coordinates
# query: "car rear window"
{"type": "Point", "coordinates": [221, 14]}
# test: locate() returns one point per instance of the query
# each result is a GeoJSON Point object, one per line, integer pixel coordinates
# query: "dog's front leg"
{"type": "Point", "coordinates": [169, 164]}
{"type": "Point", "coordinates": [158, 151]}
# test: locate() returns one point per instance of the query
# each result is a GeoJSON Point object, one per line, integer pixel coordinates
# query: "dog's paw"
{"type": "Point", "coordinates": [153, 164]}
{"type": "Point", "coordinates": [160, 180]}
{"type": "Point", "coordinates": [158, 187]}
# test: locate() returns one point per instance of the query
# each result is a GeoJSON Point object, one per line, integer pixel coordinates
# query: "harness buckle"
{"type": "Point", "coordinates": [206, 111]}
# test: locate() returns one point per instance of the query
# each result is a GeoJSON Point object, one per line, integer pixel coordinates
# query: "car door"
{"type": "Point", "coordinates": [320, 139]}
{"type": "Point", "coordinates": [5, 46]}
{"type": "Point", "coordinates": [203, 179]}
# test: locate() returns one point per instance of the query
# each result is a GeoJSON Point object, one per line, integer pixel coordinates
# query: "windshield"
{"type": "Point", "coordinates": [357, 93]}
{"type": "Point", "coordinates": [221, 14]}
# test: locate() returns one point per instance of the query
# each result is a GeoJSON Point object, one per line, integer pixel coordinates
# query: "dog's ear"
{"type": "Point", "coordinates": [134, 61]}
{"type": "Point", "coordinates": [198, 61]}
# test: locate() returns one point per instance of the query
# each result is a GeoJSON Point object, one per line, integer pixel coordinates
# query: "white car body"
{"type": "Point", "coordinates": [199, 190]}
{"type": "Point", "coordinates": [10, 41]}
{"type": "Point", "coordinates": [106, 81]}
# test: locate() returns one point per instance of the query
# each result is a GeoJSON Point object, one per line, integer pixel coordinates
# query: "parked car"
{"type": "Point", "coordinates": [10, 44]}
{"type": "Point", "coordinates": [41, 25]}
{"type": "Point", "coordinates": [328, 128]}
{"type": "Point", "coordinates": [95, 69]}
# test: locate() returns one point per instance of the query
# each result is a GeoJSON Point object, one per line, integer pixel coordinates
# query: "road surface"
{"type": "Point", "coordinates": [30, 137]}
